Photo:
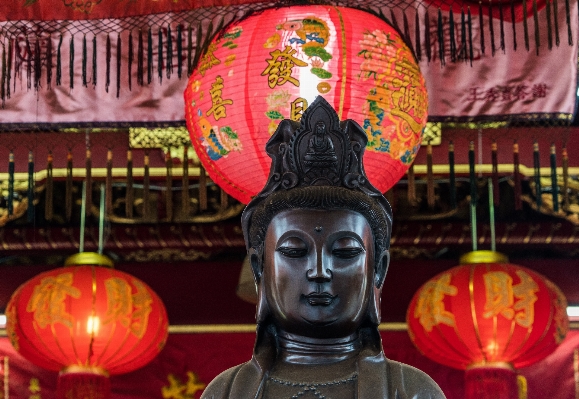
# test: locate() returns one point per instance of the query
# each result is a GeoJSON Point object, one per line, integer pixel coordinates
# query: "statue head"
{"type": "Point", "coordinates": [318, 234]}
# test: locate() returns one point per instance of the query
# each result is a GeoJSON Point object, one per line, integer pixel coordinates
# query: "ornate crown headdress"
{"type": "Point", "coordinates": [319, 151]}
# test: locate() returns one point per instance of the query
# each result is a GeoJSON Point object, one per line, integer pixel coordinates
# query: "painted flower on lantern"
{"type": "Point", "coordinates": [284, 58]}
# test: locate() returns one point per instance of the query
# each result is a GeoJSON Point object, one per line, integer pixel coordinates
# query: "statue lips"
{"type": "Point", "coordinates": [320, 298]}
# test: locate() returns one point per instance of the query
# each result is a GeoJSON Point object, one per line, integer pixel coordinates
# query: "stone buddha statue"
{"type": "Point", "coordinates": [318, 236]}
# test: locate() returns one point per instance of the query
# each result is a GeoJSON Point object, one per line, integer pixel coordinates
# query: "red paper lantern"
{"type": "Point", "coordinates": [86, 321]}
{"type": "Point", "coordinates": [488, 317]}
{"type": "Point", "coordinates": [271, 65]}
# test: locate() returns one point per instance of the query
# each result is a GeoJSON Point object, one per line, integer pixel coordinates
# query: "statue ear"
{"type": "Point", "coordinates": [256, 262]}
{"type": "Point", "coordinates": [382, 263]}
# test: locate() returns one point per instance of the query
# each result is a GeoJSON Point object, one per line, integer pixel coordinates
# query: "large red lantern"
{"type": "Point", "coordinates": [488, 317]}
{"type": "Point", "coordinates": [271, 65]}
{"type": "Point", "coordinates": [87, 321]}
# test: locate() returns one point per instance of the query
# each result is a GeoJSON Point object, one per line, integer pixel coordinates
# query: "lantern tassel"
{"type": "Point", "coordinates": [30, 193]}
{"type": "Point", "coordinates": [80, 385]}
{"type": "Point", "coordinates": [109, 183]}
{"type": "Point", "coordinates": [568, 19]}
{"type": "Point", "coordinates": [179, 51]}
{"type": "Point", "coordinates": [565, 178]}
{"type": "Point", "coordinates": [394, 21]}
{"type": "Point", "coordinates": [169, 185]}
{"type": "Point", "coordinates": [119, 50]}
{"type": "Point", "coordinates": [185, 200]}
{"type": "Point", "coordinates": [549, 27]}
{"type": "Point", "coordinates": [492, 28]}
{"type": "Point", "coordinates": [525, 25]}
{"type": "Point", "coordinates": [537, 33]}
{"type": "Point", "coordinates": [440, 36]}
{"type": "Point", "coordinates": [406, 29]}
{"type": "Point", "coordinates": [411, 185]}
{"type": "Point", "coordinates": [502, 28]}
{"type": "Point", "coordinates": [146, 187]}
{"type": "Point", "coordinates": [68, 190]}
{"type": "Point", "coordinates": [517, 177]}
{"type": "Point", "coordinates": [149, 56]}
{"type": "Point", "coordinates": [452, 34]}
{"type": "Point", "coordinates": [37, 65]}
{"type": "Point", "coordinates": [514, 25]}
{"type": "Point", "coordinates": [418, 48]}
{"type": "Point", "coordinates": [481, 27]}
{"type": "Point", "coordinates": [129, 195]}
{"type": "Point", "coordinates": [71, 63]}
{"type": "Point", "coordinates": [452, 175]}
{"type": "Point", "coordinates": [84, 62]}
{"type": "Point", "coordinates": [3, 78]}
{"type": "Point", "coordinates": [94, 61]}
{"type": "Point", "coordinates": [463, 54]}
{"type": "Point", "coordinates": [495, 172]}
{"type": "Point", "coordinates": [140, 59]}
{"type": "Point", "coordinates": [537, 167]}
{"type": "Point", "coordinates": [130, 61]}
{"type": "Point", "coordinates": [108, 64]}
{"type": "Point", "coordinates": [470, 48]}
{"type": "Point", "coordinates": [473, 195]}
{"type": "Point", "coordinates": [198, 48]}
{"type": "Point", "coordinates": [49, 190]}
{"type": "Point", "coordinates": [190, 50]}
{"type": "Point", "coordinates": [28, 64]}
{"type": "Point", "coordinates": [554, 185]}
{"type": "Point", "coordinates": [160, 55]}
{"type": "Point", "coordinates": [556, 20]}
{"type": "Point", "coordinates": [427, 43]}
{"type": "Point", "coordinates": [9, 65]}
{"type": "Point", "coordinates": [169, 52]}
{"type": "Point", "coordinates": [11, 183]}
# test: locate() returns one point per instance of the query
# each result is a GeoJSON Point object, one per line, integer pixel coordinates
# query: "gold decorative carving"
{"type": "Point", "coordinates": [432, 134]}
{"type": "Point", "coordinates": [140, 137]}
{"type": "Point", "coordinates": [166, 255]}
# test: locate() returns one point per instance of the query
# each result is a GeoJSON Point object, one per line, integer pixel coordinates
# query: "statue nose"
{"type": "Point", "coordinates": [320, 274]}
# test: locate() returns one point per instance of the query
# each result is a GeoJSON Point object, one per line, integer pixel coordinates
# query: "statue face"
{"type": "Point", "coordinates": [318, 271]}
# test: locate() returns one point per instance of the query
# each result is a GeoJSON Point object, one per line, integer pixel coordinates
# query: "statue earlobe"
{"type": "Point", "coordinates": [262, 309]}
{"type": "Point", "coordinates": [382, 263]}
{"type": "Point", "coordinates": [256, 261]}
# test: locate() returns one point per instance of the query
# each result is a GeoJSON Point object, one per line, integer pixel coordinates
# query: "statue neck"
{"type": "Point", "coordinates": [297, 349]}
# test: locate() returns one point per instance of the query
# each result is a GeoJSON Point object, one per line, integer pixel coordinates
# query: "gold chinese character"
{"type": "Point", "coordinates": [407, 98]}
{"type": "Point", "coordinates": [430, 307]}
{"type": "Point", "coordinates": [142, 302]}
{"type": "Point", "coordinates": [525, 293]}
{"type": "Point", "coordinates": [180, 390]}
{"type": "Point", "coordinates": [47, 300]}
{"type": "Point", "coordinates": [217, 103]}
{"type": "Point", "coordinates": [298, 106]}
{"type": "Point", "coordinates": [279, 68]}
{"type": "Point", "coordinates": [208, 60]}
{"type": "Point", "coordinates": [501, 294]}
{"type": "Point", "coordinates": [131, 310]}
{"type": "Point", "coordinates": [34, 387]}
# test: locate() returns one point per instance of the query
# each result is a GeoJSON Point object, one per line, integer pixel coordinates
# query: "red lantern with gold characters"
{"type": "Point", "coordinates": [87, 321]}
{"type": "Point", "coordinates": [271, 65]}
{"type": "Point", "coordinates": [488, 317]}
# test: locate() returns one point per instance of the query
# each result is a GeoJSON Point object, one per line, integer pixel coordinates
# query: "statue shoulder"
{"type": "Point", "coordinates": [410, 383]}
{"type": "Point", "coordinates": [221, 385]}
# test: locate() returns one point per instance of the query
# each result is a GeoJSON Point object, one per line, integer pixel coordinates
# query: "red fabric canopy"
{"type": "Point", "coordinates": [46, 10]}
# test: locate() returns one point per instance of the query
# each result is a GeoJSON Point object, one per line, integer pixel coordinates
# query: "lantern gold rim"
{"type": "Point", "coordinates": [89, 259]}
{"type": "Point", "coordinates": [491, 365]}
{"type": "Point", "coordinates": [483, 256]}
{"type": "Point", "coordinates": [76, 369]}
